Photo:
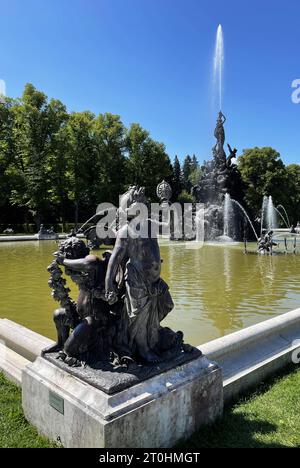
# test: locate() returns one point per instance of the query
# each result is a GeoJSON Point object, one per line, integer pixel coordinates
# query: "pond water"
{"type": "Point", "coordinates": [216, 289]}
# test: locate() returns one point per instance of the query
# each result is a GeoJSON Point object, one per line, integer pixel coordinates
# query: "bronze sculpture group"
{"type": "Point", "coordinates": [122, 298]}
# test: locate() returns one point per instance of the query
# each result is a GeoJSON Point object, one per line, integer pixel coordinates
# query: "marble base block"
{"type": "Point", "coordinates": [157, 412]}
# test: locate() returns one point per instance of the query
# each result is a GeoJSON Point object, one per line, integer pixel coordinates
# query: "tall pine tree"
{"type": "Point", "coordinates": [176, 179]}
{"type": "Point", "coordinates": [186, 172]}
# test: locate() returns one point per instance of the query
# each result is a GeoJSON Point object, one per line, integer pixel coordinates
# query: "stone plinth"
{"type": "Point", "coordinates": [12, 364]}
{"type": "Point", "coordinates": [157, 412]}
{"type": "Point", "coordinates": [111, 379]}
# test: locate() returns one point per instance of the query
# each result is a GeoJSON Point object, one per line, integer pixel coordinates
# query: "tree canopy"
{"type": "Point", "coordinates": [58, 166]}
{"type": "Point", "coordinates": [264, 173]}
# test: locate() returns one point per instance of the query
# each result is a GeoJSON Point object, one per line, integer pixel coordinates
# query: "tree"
{"type": "Point", "coordinates": [185, 197]}
{"type": "Point", "coordinates": [186, 172]}
{"type": "Point", "coordinates": [36, 123]}
{"type": "Point", "coordinates": [79, 154]}
{"type": "Point", "coordinates": [147, 162]}
{"type": "Point", "coordinates": [194, 164]}
{"type": "Point", "coordinates": [263, 173]}
{"type": "Point", "coordinates": [191, 173]}
{"type": "Point", "coordinates": [195, 176]}
{"type": "Point", "coordinates": [176, 179]}
{"type": "Point", "coordinates": [109, 133]}
{"type": "Point", "coordinates": [6, 155]}
{"type": "Point", "coordinates": [293, 204]}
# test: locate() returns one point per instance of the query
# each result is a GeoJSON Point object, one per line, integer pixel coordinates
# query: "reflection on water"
{"type": "Point", "coordinates": [216, 289]}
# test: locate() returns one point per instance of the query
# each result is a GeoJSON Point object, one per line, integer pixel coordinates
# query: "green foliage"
{"type": "Point", "coordinates": [57, 167]}
{"type": "Point", "coordinates": [176, 179]}
{"type": "Point", "coordinates": [35, 124]}
{"type": "Point", "coordinates": [185, 197]}
{"type": "Point", "coordinates": [293, 189]}
{"type": "Point", "coordinates": [186, 172]}
{"type": "Point", "coordinates": [15, 431]}
{"type": "Point", "coordinates": [190, 172]}
{"type": "Point", "coordinates": [147, 163]}
{"type": "Point", "coordinates": [195, 176]}
{"type": "Point", "coordinates": [267, 419]}
{"type": "Point", "coordinates": [263, 173]}
{"type": "Point", "coordinates": [256, 421]}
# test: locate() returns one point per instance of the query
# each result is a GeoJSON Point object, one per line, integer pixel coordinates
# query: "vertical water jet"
{"type": "Point", "coordinates": [219, 64]}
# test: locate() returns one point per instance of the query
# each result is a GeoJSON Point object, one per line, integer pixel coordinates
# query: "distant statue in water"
{"type": "Point", "coordinates": [46, 233]}
{"type": "Point", "coordinates": [265, 243]}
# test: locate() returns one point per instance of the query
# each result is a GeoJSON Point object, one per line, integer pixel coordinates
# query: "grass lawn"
{"type": "Point", "coordinates": [268, 418]}
{"type": "Point", "coordinates": [14, 429]}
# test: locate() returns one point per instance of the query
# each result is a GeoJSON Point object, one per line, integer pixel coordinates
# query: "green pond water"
{"type": "Point", "coordinates": [216, 289]}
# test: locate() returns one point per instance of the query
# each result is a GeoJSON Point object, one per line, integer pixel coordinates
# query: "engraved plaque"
{"type": "Point", "coordinates": [56, 402]}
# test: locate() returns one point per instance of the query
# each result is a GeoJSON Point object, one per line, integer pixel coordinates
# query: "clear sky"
{"type": "Point", "coordinates": [151, 62]}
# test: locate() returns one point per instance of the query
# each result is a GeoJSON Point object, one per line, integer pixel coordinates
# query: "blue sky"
{"type": "Point", "coordinates": [151, 62]}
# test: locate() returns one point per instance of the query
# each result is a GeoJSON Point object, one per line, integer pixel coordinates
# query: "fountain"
{"type": "Point", "coordinates": [286, 219]}
{"type": "Point", "coordinates": [282, 217]}
{"type": "Point", "coordinates": [271, 215]}
{"type": "Point", "coordinates": [219, 64]}
{"type": "Point", "coordinates": [221, 188]}
{"type": "Point", "coordinates": [246, 216]}
{"type": "Point", "coordinates": [268, 215]}
{"type": "Point", "coordinates": [263, 210]}
{"type": "Point", "coordinates": [228, 221]}
{"type": "Point", "coordinates": [228, 213]}
{"type": "Point", "coordinates": [221, 178]}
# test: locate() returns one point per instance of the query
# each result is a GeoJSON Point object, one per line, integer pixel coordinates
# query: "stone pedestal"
{"type": "Point", "coordinates": [157, 412]}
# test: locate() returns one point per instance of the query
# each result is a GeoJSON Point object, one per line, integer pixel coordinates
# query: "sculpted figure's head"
{"type": "Point", "coordinates": [134, 195]}
{"type": "Point", "coordinates": [74, 248]}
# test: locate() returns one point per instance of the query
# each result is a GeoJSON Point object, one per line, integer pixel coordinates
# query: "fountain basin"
{"type": "Point", "coordinates": [224, 239]}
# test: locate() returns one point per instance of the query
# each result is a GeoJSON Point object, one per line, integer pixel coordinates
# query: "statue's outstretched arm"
{"type": "Point", "coordinates": [81, 264]}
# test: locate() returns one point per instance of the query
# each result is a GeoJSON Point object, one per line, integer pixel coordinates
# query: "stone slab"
{"type": "Point", "coordinates": [23, 341]}
{"type": "Point", "coordinates": [111, 380]}
{"type": "Point", "coordinates": [155, 413]}
{"type": "Point", "coordinates": [12, 364]}
{"type": "Point", "coordinates": [251, 355]}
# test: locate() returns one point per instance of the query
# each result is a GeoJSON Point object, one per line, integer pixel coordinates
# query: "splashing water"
{"type": "Point", "coordinates": [219, 64]}
{"type": "Point", "coordinates": [287, 219]}
{"type": "Point", "coordinates": [246, 215]}
{"type": "Point", "coordinates": [263, 212]}
{"type": "Point", "coordinates": [271, 214]}
{"type": "Point", "coordinates": [268, 214]}
{"type": "Point", "coordinates": [281, 216]}
{"type": "Point", "coordinates": [228, 214]}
